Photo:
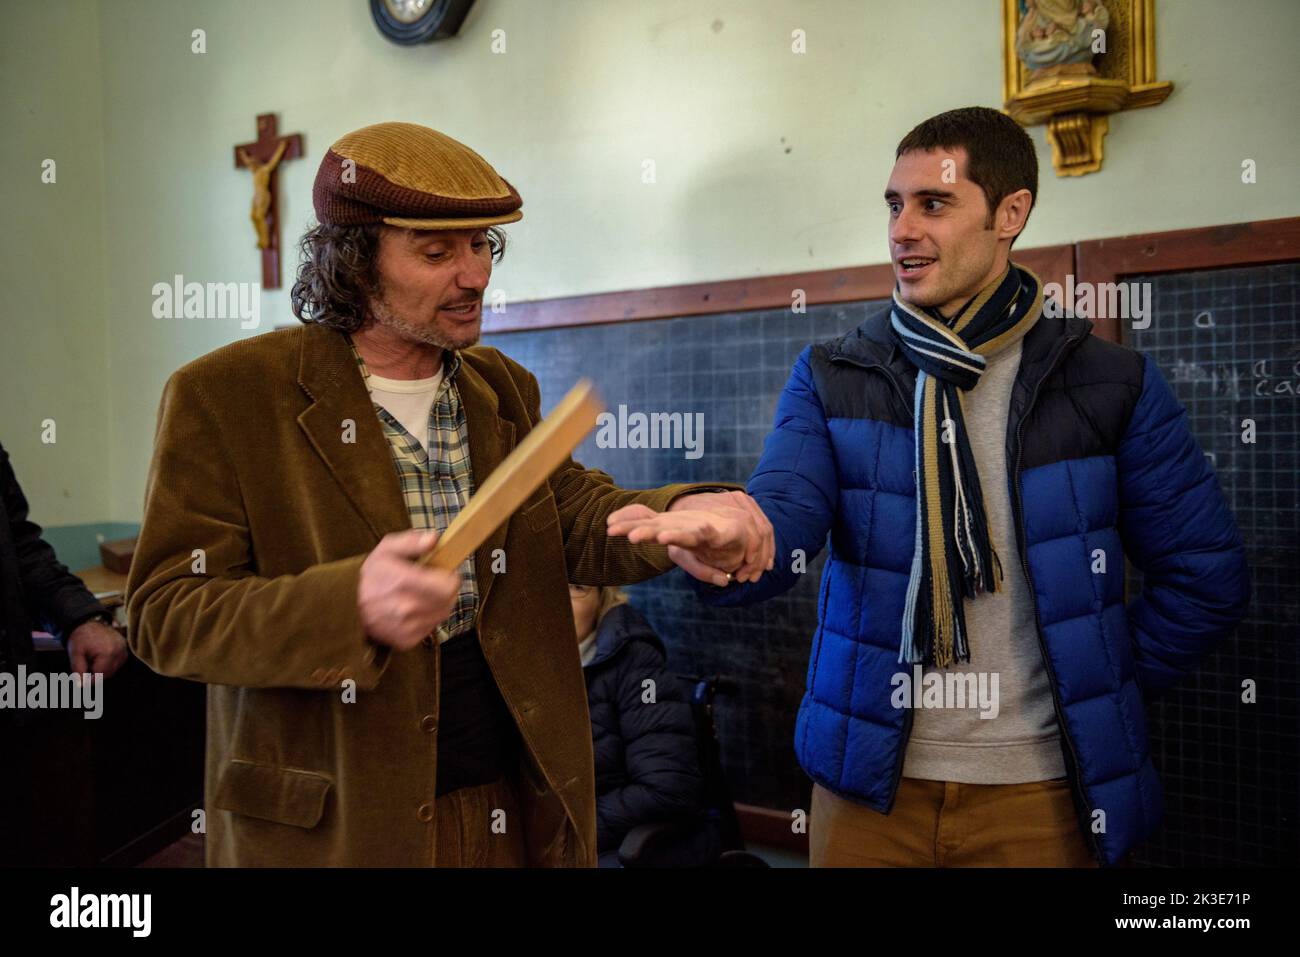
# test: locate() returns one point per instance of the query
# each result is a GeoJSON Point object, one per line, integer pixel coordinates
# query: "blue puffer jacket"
{"type": "Point", "coordinates": [1099, 457]}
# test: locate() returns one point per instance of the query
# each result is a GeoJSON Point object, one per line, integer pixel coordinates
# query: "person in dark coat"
{"type": "Point", "coordinates": [643, 733]}
{"type": "Point", "coordinates": [37, 589]}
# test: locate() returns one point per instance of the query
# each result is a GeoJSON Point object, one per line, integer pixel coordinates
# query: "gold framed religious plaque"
{"type": "Point", "coordinates": [1071, 63]}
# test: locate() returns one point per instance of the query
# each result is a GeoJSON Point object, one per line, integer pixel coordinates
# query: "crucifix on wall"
{"type": "Point", "coordinates": [263, 156]}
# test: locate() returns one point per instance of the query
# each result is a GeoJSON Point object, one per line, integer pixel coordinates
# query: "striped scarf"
{"type": "Point", "coordinates": [954, 557]}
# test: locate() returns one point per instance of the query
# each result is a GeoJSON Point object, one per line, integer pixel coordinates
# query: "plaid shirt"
{"type": "Point", "coordinates": [436, 484]}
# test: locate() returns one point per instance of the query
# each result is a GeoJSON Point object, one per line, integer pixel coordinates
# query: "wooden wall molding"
{"type": "Point", "coordinates": [1207, 247]}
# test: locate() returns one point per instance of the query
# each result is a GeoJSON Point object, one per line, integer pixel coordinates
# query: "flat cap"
{"type": "Point", "coordinates": [403, 174]}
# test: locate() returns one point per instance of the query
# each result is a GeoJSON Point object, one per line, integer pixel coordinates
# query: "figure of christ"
{"type": "Point", "coordinates": [262, 191]}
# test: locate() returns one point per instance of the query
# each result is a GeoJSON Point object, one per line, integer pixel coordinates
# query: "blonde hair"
{"type": "Point", "coordinates": [611, 596]}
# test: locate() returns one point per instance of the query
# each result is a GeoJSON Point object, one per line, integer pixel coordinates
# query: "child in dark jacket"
{"type": "Point", "coordinates": [643, 733]}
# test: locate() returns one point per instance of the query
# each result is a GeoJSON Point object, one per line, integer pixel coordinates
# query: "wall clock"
{"type": "Point", "coordinates": [419, 21]}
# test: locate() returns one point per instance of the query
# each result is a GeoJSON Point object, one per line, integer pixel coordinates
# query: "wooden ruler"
{"type": "Point", "coordinates": [548, 444]}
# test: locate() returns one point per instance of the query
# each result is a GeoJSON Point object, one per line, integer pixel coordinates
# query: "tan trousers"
{"type": "Point", "coordinates": [464, 821]}
{"type": "Point", "coordinates": [944, 824]}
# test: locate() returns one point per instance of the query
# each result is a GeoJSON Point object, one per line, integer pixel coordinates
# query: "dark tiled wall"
{"type": "Point", "coordinates": [1227, 341]}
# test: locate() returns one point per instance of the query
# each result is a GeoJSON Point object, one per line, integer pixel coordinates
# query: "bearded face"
{"type": "Point", "coordinates": [431, 284]}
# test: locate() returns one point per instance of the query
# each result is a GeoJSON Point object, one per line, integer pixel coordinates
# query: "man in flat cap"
{"type": "Point", "coordinates": [363, 709]}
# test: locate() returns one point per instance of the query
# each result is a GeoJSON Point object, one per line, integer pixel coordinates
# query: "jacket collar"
{"type": "Point", "coordinates": [1042, 341]}
{"type": "Point", "coordinates": [491, 438]}
{"type": "Point", "coordinates": [341, 426]}
{"type": "Point", "coordinates": [871, 343]}
{"type": "Point", "coordinates": [621, 625]}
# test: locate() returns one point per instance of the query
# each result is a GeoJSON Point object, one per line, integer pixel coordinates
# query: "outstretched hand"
{"type": "Point", "coordinates": [708, 534]}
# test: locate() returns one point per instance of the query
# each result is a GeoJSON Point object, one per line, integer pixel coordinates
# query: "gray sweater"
{"type": "Point", "coordinates": [1019, 741]}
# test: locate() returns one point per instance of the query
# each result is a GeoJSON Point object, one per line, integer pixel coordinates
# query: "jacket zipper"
{"type": "Point", "coordinates": [1072, 769]}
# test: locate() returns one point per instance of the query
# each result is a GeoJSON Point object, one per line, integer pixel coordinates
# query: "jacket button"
{"type": "Point", "coordinates": [425, 813]}
{"type": "Point", "coordinates": [429, 723]}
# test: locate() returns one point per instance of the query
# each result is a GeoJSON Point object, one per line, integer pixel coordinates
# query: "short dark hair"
{"type": "Point", "coordinates": [1000, 156]}
{"type": "Point", "coordinates": [337, 274]}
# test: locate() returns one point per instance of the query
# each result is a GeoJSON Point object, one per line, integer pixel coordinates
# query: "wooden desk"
{"type": "Point", "coordinates": [99, 579]}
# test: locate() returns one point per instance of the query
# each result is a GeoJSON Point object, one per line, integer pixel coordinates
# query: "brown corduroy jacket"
{"type": "Point", "coordinates": [258, 515]}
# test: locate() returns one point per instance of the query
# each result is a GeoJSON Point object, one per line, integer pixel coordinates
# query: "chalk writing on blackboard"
{"type": "Point", "coordinates": [1224, 378]}
{"type": "Point", "coordinates": [1262, 377]}
{"type": "Point", "coordinates": [1274, 377]}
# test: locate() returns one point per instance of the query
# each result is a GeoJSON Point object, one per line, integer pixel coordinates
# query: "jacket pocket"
{"type": "Point", "coordinates": [541, 515]}
{"type": "Point", "coordinates": [283, 795]}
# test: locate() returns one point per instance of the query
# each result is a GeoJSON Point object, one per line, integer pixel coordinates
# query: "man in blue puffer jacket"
{"type": "Point", "coordinates": [976, 687]}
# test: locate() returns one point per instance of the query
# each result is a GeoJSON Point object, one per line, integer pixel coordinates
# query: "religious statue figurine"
{"type": "Point", "coordinates": [262, 191]}
{"type": "Point", "coordinates": [1056, 36]}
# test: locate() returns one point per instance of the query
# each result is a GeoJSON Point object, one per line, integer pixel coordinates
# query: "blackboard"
{"type": "Point", "coordinates": [1228, 341]}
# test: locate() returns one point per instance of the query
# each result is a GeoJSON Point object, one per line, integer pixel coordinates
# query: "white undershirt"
{"type": "Point", "coordinates": [408, 401]}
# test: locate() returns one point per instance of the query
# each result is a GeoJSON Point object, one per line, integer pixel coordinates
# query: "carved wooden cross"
{"type": "Point", "coordinates": [263, 156]}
